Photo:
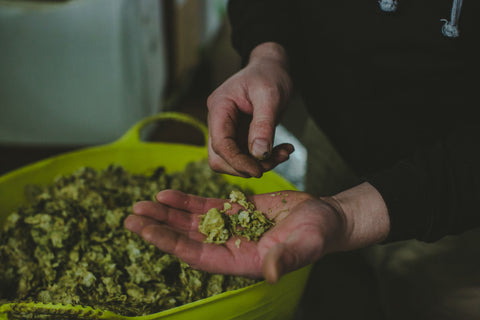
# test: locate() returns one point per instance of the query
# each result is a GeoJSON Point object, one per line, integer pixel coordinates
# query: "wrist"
{"type": "Point", "coordinates": [366, 216]}
{"type": "Point", "coordinates": [271, 51]}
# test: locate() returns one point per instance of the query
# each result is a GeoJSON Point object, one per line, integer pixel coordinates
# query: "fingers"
{"type": "Point", "coordinates": [247, 166]}
{"type": "Point", "coordinates": [234, 133]}
{"type": "Point", "coordinates": [280, 154]}
{"type": "Point", "coordinates": [187, 202]}
{"type": "Point", "coordinates": [137, 223]}
{"type": "Point", "coordinates": [172, 226]}
{"type": "Point", "coordinates": [292, 254]}
{"type": "Point", "coordinates": [172, 242]}
{"type": "Point", "coordinates": [258, 92]}
{"type": "Point", "coordinates": [184, 245]}
{"type": "Point", "coordinates": [262, 127]}
{"type": "Point", "coordinates": [174, 208]}
{"type": "Point", "coordinates": [225, 259]}
{"type": "Point", "coordinates": [272, 265]}
{"type": "Point", "coordinates": [225, 154]}
{"type": "Point", "coordinates": [163, 214]}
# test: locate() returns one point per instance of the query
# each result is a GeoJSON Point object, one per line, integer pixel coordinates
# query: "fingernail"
{"type": "Point", "coordinates": [260, 149]}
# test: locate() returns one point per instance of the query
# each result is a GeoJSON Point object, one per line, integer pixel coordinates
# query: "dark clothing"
{"type": "Point", "coordinates": [394, 95]}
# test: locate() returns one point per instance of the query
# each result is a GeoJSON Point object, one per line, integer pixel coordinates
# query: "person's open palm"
{"type": "Point", "coordinates": [304, 228]}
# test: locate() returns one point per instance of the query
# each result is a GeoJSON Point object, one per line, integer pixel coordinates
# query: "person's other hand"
{"type": "Point", "coordinates": [244, 111]}
{"type": "Point", "coordinates": [305, 229]}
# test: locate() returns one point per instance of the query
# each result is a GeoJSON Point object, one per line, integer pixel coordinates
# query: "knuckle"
{"type": "Point", "coordinates": [264, 122]}
{"type": "Point", "coordinates": [211, 101]}
{"type": "Point", "coordinates": [211, 98]}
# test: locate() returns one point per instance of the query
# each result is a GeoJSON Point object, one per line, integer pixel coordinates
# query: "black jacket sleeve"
{"type": "Point", "coordinates": [256, 21]}
{"type": "Point", "coordinates": [435, 192]}
{"type": "Point", "coordinates": [429, 195]}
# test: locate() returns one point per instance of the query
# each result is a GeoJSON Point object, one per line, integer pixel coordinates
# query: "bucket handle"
{"type": "Point", "coordinates": [132, 136]}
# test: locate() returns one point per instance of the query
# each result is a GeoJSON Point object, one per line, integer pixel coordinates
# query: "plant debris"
{"type": "Point", "coordinates": [69, 246]}
{"type": "Point", "coordinates": [248, 222]}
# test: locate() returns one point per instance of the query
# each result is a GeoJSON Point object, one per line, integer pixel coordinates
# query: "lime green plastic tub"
{"type": "Point", "coordinates": [258, 301]}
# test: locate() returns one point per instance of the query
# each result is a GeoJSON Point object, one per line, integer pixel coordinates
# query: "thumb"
{"type": "Point", "coordinates": [293, 253]}
{"type": "Point", "coordinates": [262, 132]}
{"type": "Point", "coordinates": [278, 261]}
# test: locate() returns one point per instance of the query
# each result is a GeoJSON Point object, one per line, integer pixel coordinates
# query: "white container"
{"type": "Point", "coordinates": [80, 71]}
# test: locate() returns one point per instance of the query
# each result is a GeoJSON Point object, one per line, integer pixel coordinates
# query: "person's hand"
{"type": "Point", "coordinates": [243, 113]}
{"type": "Point", "coordinates": [304, 228]}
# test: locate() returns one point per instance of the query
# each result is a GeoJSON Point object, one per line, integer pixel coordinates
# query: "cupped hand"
{"type": "Point", "coordinates": [243, 114]}
{"type": "Point", "coordinates": [305, 229]}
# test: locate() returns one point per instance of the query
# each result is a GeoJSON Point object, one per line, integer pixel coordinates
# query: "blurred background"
{"type": "Point", "coordinates": [81, 72]}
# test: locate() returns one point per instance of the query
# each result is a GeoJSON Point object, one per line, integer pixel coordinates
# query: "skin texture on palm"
{"type": "Point", "coordinates": [304, 228]}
